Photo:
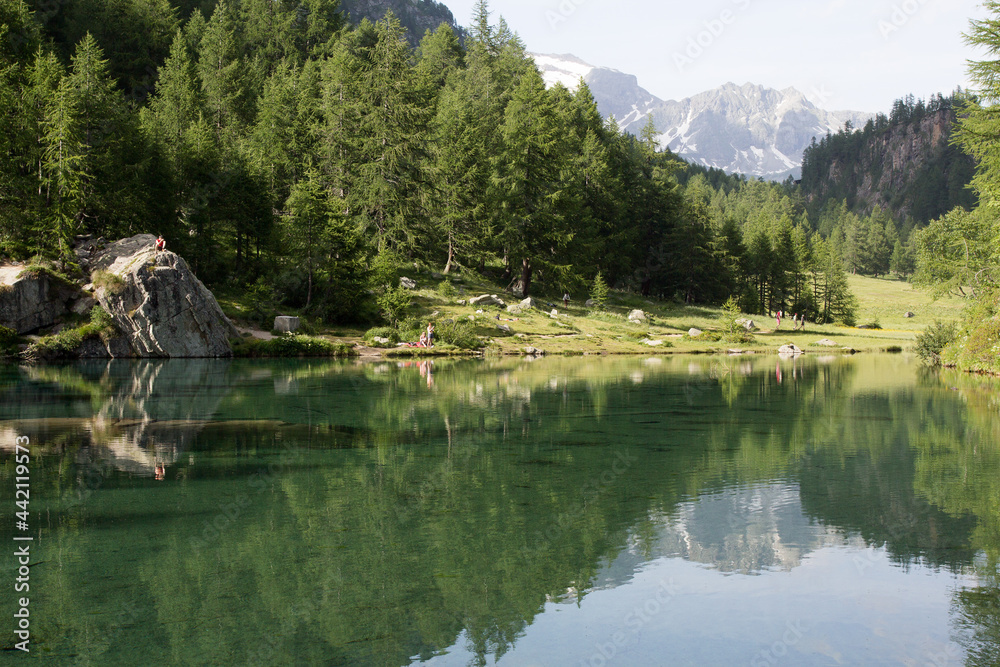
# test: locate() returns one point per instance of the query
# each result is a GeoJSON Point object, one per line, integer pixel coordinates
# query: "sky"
{"type": "Point", "coordinates": [859, 55]}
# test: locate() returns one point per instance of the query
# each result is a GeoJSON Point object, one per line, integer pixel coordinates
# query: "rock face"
{"type": "Point", "coordinates": [158, 304]}
{"type": "Point", "coordinates": [33, 301]}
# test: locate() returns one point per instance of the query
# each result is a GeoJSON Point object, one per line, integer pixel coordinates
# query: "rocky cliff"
{"type": "Point", "coordinates": [907, 167]}
{"type": "Point", "coordinates": [417, 16]}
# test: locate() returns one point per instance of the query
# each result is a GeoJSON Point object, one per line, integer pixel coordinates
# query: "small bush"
{"type": "Point", "coordinates": [460, 334]}
{"type": "Point", "coordinates": [875, 324]}
{"type": "Point", "coordinates": [932, 340]}
{"type": "Point", "coordinates": [446, 289]}
{"type": "Point", "coordinates": [290, 345]}
{"type": "Point", "coordinates": [381, 332]}
{"type": "Point", "coordinates": [8, 341]}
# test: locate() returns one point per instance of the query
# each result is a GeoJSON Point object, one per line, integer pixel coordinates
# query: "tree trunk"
{"type": "Point", "coordinates": [451, 254]}
{"type": "Point", "coordinates": [526, 277]}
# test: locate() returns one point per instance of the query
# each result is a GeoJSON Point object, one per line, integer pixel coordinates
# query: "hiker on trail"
{"type": "Point", "coordinates": [777, 320]}
{"type": "Point", "coordinates": [160, 244]}
{"type": "Point", "coordinates": [566, 300]}
{"type": "Point", "coordinates": [795, 321]}
{"type": "Point", "coordinates": [430, 334]}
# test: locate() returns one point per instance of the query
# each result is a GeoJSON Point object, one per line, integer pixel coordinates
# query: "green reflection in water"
{"type": "Point", "coordinates": [339, 513]}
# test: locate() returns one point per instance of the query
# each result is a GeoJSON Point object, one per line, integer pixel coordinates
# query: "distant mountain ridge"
{"type": "Point", "coordinates": [748, 129]}
{"type": "Point", "coordinates": [417, 16]}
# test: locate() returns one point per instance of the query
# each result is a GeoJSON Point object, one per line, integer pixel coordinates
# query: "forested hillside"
{"type": "Point", "coordinates": [289, 154]}
{"type": "Point", "coordinates": [903, 163]}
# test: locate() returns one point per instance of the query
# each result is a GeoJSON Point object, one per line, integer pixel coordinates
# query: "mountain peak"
{"type": "Point", "coordinates": [748, 129]}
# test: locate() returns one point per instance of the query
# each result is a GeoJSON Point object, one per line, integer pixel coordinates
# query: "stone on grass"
{"type": "Point", "coordinates": [694, 333]}
{"type": "Point", "coordinates": [637, 317]}
{"type": "Point", "coordinates": [487, 300]}
{"type": "Point", "coordinates": [826, 342]}
{"type": "Point", "coordinates": [909, 316]}
{"type": "Point", "coordinates": [407, 283]}
{"type": "Point", "coordinates": [790, 350]}
{"type": "Point", "coordinates": [534, 352]}
{"type": "Point", "coordinates": [503, 328]}
{"type": "Point", "coordinates": [286, 324]}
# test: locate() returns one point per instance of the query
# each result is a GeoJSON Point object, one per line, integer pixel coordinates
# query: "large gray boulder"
{"type": "Point", "coordinates": [487, 300]}
{"type": "Point", "coordinates": [30, 301]}
{"type": "Point", "coordinates": [158, 304]}
{"type": "Point", "coordinates": [637, 317]}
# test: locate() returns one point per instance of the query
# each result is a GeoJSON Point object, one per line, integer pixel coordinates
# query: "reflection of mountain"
{"type": "Point", "coordinates": [354, 515]}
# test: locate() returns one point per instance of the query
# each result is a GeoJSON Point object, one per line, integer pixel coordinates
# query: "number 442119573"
{"type": "Point", "coordinates": [22, 458]}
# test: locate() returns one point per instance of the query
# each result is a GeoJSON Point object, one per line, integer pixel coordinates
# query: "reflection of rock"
{"type": "Point", "coordinates": [146, 411]}
{"type": "Point", "coordinates": [159, 304]}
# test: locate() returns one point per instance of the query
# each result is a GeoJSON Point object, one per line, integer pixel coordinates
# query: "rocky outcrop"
{"type": "Point", "coordinates": [33, 300]}
{"type": "Point", "coordinates": [157, 303]}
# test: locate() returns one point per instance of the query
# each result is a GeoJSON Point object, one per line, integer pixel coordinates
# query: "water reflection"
{"type": "Point", "coordinates": [460, 512]}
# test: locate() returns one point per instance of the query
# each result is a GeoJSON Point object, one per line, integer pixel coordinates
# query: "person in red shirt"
{"type": "Point", "coordinates": [160, 244]}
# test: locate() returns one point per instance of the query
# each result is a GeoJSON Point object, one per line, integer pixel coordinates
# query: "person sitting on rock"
{"type": "Point", "coordinates": [161, 244]}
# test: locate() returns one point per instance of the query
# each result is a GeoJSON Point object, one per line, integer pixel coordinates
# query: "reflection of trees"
{"type": "Point", "coordinates": [348, 514]}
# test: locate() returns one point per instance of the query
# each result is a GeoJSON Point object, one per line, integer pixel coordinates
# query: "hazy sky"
{"type": "Point", "coordinates": [843, 54]}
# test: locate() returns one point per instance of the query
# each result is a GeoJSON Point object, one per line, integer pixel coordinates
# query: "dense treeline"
{"type": "Point", "coordinates": [283, 151]}
{"type": "Point", "coordinates": [877, 165]}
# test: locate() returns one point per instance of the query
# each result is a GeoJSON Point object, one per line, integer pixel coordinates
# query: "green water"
{"type": "Point", "coordinates": [595, 511]}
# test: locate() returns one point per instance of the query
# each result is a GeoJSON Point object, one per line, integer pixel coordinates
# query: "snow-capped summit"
{"type": "Point", "coordinates": [748, 129]}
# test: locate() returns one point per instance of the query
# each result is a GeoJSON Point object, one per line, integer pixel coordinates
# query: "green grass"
{"type": "Point", "coordinates": [290, 346]}
{"type": "Point", "coordinates": [579, 330]}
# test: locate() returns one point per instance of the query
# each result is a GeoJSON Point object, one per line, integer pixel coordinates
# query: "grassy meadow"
{"type": "Point", "coordinates": [580, 330]}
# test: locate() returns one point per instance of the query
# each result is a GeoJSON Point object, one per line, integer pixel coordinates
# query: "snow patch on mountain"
{"type": "Point", "coordinates": [748, 129]}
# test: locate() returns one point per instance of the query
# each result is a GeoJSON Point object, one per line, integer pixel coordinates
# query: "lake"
{"type": "Point", "coordinates": [564, 511]}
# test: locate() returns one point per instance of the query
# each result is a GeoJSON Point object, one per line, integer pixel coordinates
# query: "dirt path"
{"type": "Point", "coordinates": [256, 333]}
{"type": "Point", "coordinates": [9, 273]}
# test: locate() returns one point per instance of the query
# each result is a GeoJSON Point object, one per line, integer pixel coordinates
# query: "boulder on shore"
{"type": "Point", "coordinates": [790, 351]}
{"type": "Point", "coordinates": [158, 304]}
{"type": "Point", "coordinates": [33, 300]}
